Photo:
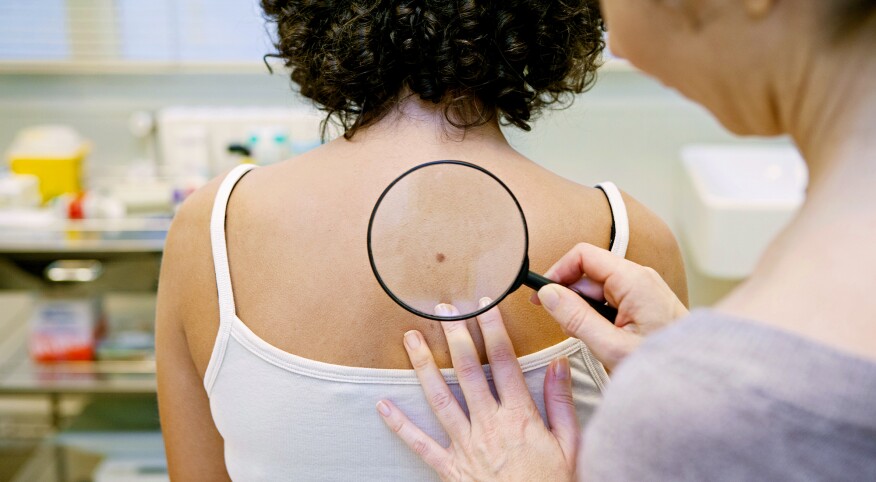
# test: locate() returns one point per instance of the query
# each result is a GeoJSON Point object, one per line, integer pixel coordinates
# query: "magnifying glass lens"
{"type": "Point", "coordinates": [447, 233]}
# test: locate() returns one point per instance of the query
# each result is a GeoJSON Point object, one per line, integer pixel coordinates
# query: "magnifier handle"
{"type": "Point", "coordinates": [536, 281]}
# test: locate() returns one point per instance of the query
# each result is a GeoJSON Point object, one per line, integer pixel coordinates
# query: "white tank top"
{"type": "Point", "coordinates": [284, 417]}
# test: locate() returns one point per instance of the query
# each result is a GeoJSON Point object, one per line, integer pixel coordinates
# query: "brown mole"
{"type": "Point", "coordinates": [440, 257]}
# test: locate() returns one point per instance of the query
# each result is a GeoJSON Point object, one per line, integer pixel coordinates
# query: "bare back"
{"type": "Point", "coordinates": [295, 235]}
{"type": "Point", "coordinates": [296, 242]}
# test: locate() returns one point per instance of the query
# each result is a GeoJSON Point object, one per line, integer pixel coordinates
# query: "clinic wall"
{"type": "Point", "coordinates": [628, 129]}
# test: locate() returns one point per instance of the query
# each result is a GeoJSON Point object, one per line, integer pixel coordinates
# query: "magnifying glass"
{"type": "Point", "coordinates": [452, 232]}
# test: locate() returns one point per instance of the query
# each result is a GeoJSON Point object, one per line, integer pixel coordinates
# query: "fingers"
{"type": "Point", "coordinates": [608, 343]}
{"type": "Point", "coordinates": [585, 259]}
{"type": "Point", "coordinates": [560, 407]}
{"type": "Point", "coordinates": [585, 286]}
{"type": "Point", "coordinates": [440, 398]}
{"type": "Point", "coordinates": [423, 445]}
{"type": "Point", "coordinates": [588, 288]}
{"type": "Point", "coordinates": [467, 364]}
{"type": "Point", "coordinates": [584, 269]}
{"type": "Point", "coordinates": [507, 375]}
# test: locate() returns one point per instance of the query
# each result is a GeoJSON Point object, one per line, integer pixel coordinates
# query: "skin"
{"type": "Point", "coordinates": [798, 82]}
{"type": "Point", "coordinates": [509, 429]}
{"type": "Point", "coordinates": [505, 438]}
{"type": "Point", "coordinates": [815, 280]}
{"type": "Point", "coordinates": [295, 233]}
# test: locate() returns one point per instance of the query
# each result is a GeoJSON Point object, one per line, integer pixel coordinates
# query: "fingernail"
{"type": "Point", "coordinates": [412, 340]}
{"type": "Point", "coordinates": [562, 370]}
{"type": "Point", "coordinates": [444, 310]}
{"type": "Point", "coordinates": [549, 297]}
{"type": "Point", "coordinates": [485, 302]}
{"type": "Point", "coordinates": [383, 408]}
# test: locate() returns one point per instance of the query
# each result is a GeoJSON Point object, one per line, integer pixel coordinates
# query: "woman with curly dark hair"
{"type": "Point", "coordinates": [278, 377]}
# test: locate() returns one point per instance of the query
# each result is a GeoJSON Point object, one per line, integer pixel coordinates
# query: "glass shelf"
{"type": "Point", "coordinates": [115, 435]}
{"type": "Point", "coordinates": [86, 236]}
{"type": "Point", "coordinates": [110, 438]}
{"type": "Point", "coordinates": [21, 375]}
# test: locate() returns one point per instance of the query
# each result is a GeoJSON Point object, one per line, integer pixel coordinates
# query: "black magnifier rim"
{"type": "Point", "coordinates": [511, 288]}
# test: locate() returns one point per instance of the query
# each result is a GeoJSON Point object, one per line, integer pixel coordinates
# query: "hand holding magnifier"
{"type": "Point", "coordinates": [452, 232]}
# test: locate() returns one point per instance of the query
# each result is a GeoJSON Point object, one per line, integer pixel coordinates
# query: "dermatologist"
{"type": "Point", "coordinates": [778, 381]}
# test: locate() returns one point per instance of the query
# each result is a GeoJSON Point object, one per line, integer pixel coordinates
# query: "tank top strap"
{"type": "Point", "coordinates": [220, 265]}
{"type": "Point", "coordinates": [620, 222]}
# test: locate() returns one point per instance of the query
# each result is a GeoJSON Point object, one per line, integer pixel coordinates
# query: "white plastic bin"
{"type": "Point", "coordinates": [735, 200]}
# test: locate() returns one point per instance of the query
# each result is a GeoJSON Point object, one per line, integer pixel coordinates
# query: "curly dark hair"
{"type": "Point", "coordinates": [477, 58]}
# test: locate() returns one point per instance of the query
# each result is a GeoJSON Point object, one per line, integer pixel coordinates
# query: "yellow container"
{"type": "Point", "coordinates": [54, 154]}
{"type": "Point", "coordinates": [57, 176]}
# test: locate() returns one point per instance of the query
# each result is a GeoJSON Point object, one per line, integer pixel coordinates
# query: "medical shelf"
{"type": "Point", "coordinates": [119, 236]}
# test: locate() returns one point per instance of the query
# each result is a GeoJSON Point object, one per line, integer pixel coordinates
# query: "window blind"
{"type": "Point", "coordinates": [132, 31]}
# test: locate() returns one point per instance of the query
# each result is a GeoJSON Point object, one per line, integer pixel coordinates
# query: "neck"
{"type": "Point", "coordinates": [425, 130]}
{"type": "Point", "coordinates": [816, 277]}
{"type": "Point", "coordinates": [834, 126]}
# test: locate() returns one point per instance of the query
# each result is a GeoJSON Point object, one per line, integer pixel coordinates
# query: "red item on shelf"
{"type": "Point", "coordinates": [75, 209]}
{"type": "Point", "coordinates": [65, 330]}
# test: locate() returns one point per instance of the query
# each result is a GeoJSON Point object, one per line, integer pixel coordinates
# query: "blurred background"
{"type": "Point", "coordinates": [113, 111]}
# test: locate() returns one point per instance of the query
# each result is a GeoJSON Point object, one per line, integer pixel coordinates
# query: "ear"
{"type": "Point", "coordinates": [758, 8]}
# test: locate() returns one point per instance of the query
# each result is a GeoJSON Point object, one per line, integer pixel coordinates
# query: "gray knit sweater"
{"type": "Point", "coordinates": [718, 398]}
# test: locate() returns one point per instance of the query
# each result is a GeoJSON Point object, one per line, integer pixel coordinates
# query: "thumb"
{"type": "Point", "coordinates": [560, 408]}
{"type": "Point", "coordinates": [607, 342]}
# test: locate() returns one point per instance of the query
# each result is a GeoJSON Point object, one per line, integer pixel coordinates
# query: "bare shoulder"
{"type": "Point", "coordinates": [186, 326]}
{"type": "Point", "coordinates": [653, 244]}
{"type": "Point", "coordinates": [187, 299]}
{"type": "Point", "coordinates": [553, 200]}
